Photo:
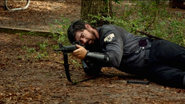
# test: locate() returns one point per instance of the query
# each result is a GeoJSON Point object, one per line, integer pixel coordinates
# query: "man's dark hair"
{"type": "Point", "coordinates": [78, 25]}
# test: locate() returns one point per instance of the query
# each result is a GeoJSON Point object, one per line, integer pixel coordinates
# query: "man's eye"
{"type": "Point", "coordinates": [82, 35]}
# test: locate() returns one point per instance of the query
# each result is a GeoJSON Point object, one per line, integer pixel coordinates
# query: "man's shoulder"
{"type": "Point", "coordinates": [111, 28]}
{"type": "Point", "coordinates": [108, 26]}
{"type": "Point", "coordinates": [104, 29]}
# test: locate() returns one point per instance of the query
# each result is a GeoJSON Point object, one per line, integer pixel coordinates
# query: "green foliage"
{"type": "Point", "coordinates": [75, 63]}
{"type": "Point", "coordinates": [43, 46]}
{"type": "Point", "coordinates": [41, 55]}
{"type": "Point", "coordinates": [31, 50]}
{"type": "Point", "coordinates": [62, 30]}
{"type": "Point", "coordinates": [153, 18]}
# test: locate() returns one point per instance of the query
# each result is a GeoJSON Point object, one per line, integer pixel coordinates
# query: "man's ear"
{"type": "Point", "coordinates": [87, 26]}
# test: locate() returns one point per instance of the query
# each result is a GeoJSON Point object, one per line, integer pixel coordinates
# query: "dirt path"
{"type": "Point", "coordinates": [40, 15]}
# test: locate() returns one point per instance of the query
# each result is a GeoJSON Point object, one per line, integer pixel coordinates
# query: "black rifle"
{"type": "Point", "coordinates": [66, 50]}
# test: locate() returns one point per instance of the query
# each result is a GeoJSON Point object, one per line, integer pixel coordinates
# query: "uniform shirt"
{"type": "Point", "coordinates": [118, 44]}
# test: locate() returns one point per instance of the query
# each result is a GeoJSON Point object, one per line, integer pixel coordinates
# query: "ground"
{"type": "Point", "coordinates": [31, 72]}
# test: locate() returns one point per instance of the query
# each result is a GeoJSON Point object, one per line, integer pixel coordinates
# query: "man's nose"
{"type": "Point", "coordinates": [84, 41]}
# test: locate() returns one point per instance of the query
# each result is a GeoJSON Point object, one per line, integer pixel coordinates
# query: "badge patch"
{"type": "Point", "coordinates": [109, 38]}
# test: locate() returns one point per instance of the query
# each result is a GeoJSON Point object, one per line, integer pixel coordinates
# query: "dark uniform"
{"type": "Point", "coordinates": [160, 61]}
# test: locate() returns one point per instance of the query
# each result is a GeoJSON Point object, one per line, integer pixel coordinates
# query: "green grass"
{"type": "Point", "coordinates": [62, 30]}
{"type": "Point", "coordinates": [154, 19]}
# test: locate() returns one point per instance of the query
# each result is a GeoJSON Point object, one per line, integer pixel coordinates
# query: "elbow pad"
{"type": "Point", "coordinates": [97, 57]}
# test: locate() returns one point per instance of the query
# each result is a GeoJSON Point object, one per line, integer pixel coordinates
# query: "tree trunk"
{"type": "Point", "coordinates": [91, 8]}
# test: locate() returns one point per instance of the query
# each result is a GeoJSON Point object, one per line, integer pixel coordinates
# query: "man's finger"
{"type": "Point", "coordinates": [76, 51]}
{"type": "Point", "coordinates": [78, 46]}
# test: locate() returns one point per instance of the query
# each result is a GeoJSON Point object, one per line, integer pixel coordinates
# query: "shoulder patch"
{"type": "Point", "coordinates": [109, 38]}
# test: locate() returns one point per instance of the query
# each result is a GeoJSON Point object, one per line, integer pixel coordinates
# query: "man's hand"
{"type": "Point", "coordinates": [80, 52]}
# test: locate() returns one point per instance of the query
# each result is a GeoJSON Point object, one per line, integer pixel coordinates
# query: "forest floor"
{"type": "Point", "coordinates": [31, 72]}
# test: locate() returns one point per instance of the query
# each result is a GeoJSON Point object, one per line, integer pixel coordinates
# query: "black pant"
{"type": "Point", "coordinates": [166, 64]}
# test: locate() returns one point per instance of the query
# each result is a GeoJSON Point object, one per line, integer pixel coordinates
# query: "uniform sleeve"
{"type": "Point", "coordinates": [113, 47]}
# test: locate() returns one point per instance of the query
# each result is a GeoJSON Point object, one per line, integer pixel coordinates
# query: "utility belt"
{"type": "Point", "coordinates": [147, 52]}
{"type": "Point", "coordinates": [146, 47]}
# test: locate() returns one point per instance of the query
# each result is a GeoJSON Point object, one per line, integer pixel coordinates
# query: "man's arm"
{"type": "Point", "coordinates": [97, 57]}
{"type": "Point", "coordinates": [83, 54]}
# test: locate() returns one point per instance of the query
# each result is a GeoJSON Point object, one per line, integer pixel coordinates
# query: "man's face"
{"type": "Point", "coordinates": [86, 37]}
